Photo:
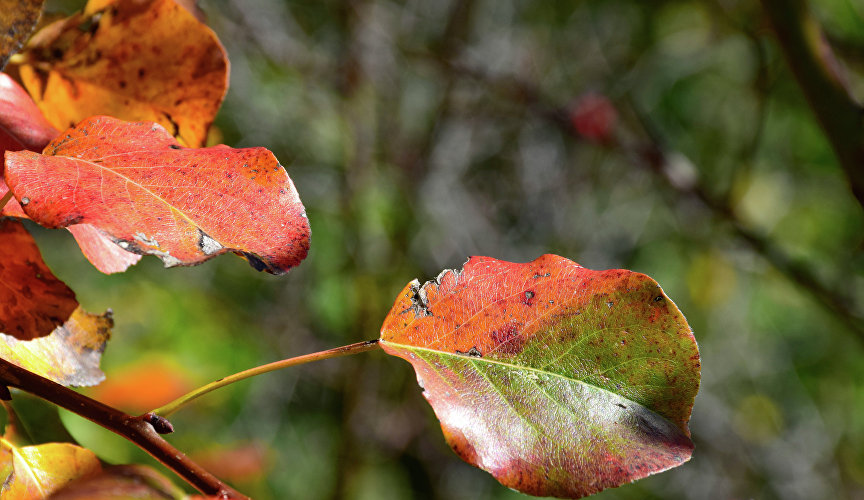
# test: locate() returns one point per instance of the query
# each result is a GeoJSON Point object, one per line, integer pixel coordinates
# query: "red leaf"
{"type": "Point", "coordinates": [556, 379]}
{"type": "Point", "coordinates": [32, 301]}
{"type": "Point", "coordinates": [101, 251]}
{"type": "Point", "coordinates": [136, 184]}
{"type": "Point", "coordinates": [22, 125]}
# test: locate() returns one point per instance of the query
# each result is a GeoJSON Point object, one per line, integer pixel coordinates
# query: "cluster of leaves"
{"type": "Point", "coordinates": [556, 379]}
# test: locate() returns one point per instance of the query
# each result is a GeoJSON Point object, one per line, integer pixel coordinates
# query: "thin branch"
{"type": "Point", "coordinates": [820, 77]}
{"type": "Point", "coordinates": [5, 199]}
{"type": "Point", "coordinates": [142, 430]}
{"type": "Point", "coordinates": [258, 370]}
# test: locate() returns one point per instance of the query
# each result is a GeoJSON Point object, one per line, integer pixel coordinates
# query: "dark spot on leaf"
{"type": "Point", "coordinates": [658, 298]}
{"type": "Point", "coordinates": [529, 296]}
{"type": "Point", "coordinates": [508, 340]}
{"type": "Point", "coordinates": [175, 146]}
{"type": "Point", "coordinates": [620, 405]}
{"type": "Point", "coordinates": [542, 275]}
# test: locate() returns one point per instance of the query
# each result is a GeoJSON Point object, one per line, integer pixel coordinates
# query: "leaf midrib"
{"type": "Point", "coordinates": [521, 367]}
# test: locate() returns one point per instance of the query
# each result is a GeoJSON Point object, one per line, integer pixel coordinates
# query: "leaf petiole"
{"type": "Point", "coordinates": [336, 352]}
{"type": "Point", "coordinates": [5, 199]}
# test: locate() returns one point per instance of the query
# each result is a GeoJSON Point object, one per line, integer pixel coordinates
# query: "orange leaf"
{"type": "Point", "coordinates": [556, 379]}
{"type": "Point", "coordinates": [136, 184]}
{"type": "Point", "coordinates": [144, 385]}
{"type": "Point", "coordinates": [38, 471]}
{"type": "Point", "coordinates": [17, 20]}
{"type": "Point", "coordinates": [246, 462]}
{"type": "Point", "coordinates": [32, 301]}
{"type": "Point", "coordinates": [134, 60]}
{"type": "Point", "coordinates": [70, 355]}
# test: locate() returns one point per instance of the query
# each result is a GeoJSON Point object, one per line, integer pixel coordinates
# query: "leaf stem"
{"type": "Point", "coordinates": [258, 370]}
{"type": "Point", "coordinates": [5, 199]}
{"type": "Point", "coordinates": [137, 429]}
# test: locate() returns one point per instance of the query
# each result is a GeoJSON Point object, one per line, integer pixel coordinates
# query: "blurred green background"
{"type": "Point", "coordinates": [419, 133]}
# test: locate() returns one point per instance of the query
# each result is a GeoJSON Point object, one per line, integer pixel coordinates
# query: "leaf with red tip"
{"type": "Point", "coordinates": [22, 125]}
{"type": "Point", "coordinates": [32, 301]}
{"type": "Point", "coordinates": [101, 251]}
{"type": "Point", "coordinates": [129, 59]}
{"type": "Point", "coordinates": [556, 379]}
{"type": "Point", "coordinates": [137, 185]}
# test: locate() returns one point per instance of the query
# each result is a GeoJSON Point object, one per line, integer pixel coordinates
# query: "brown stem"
{"type": "Point", "coordinates": [820, 77]}
{"type": "Point", "coordinates": [139, 430]}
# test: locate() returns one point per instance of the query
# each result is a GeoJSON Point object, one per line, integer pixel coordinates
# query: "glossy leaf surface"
{"type": "Point", "coordinates": [32, 301]}
{"type": "Point", "coordinates": [136, 184]}
{"type": "Point", "coordinates": [70, 355]}
{"type": "Point", "coordinates": [129, 59]}
{"type": "Point", "coordinates": [17, 20]}
{"type": "Point", "coordinates": [556, 379]}
{"type": "Point", "coordinates": [38, 471]}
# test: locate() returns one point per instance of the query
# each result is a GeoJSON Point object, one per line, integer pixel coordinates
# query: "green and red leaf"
{"type": "Point", "coordinates": [135, 184]}
{"type": "Point", "coordinates": [556, 379]}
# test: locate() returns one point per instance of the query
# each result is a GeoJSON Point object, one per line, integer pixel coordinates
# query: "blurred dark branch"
{"type": "Point", "coordinates": [651, 153]}
{"type": "Point", "coordinates": [820, 77]}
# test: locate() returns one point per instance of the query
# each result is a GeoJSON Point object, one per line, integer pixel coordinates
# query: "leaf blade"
{"type": "Point", "coordinates": [511, 358]}
{"type": "Point", "coordinates": [136, 184]}
{"type": "Point", "coordinates": [152, 61]}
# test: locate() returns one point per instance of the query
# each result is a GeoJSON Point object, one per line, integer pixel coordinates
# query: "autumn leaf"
{"type": "Point", "coordinates": [121, 482]}
{"type": "Point", "coordinates": [38, 471]}
{"type": "Point", "coordinates": [32, 301]}
{"type": "Point", "coordinates": [17, 20]}
{"type": "Point", "coordinates": [133, 60]}
{"type": "Point", "coordinates": [103, 253]}
{"type": "Point", "coordinates": [556, 379]}
{"type": "Point", "coordinates": [22, 125]}
{"type": "Point", "coordinates": [70, 355]}
{"type": "Point", "coordinates": [137, 185]}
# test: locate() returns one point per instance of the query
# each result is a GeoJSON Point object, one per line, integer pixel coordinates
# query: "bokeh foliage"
{"type": "Point", "coordinates": [419, 133]}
